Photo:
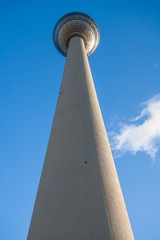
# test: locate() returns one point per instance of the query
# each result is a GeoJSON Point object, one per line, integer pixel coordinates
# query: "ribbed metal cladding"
{"type": "Point", "coordinates": [76, 24]}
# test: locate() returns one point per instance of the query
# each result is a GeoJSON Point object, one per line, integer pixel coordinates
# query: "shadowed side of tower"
{"type": "Point", "coordinates": [79, 195]}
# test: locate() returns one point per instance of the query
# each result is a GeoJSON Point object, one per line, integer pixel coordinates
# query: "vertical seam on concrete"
{"type": "Point", "coordinates": [91, 111]}
{"type": "Point", "coordinates": [96, 134]}
{"type": "Point", "coordinates": [94, 127]}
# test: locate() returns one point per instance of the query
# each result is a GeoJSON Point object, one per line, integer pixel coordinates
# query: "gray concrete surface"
{"type": "Point", "coordinates": [79, 195]}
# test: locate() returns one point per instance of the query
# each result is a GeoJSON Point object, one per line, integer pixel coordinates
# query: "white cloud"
{"type": "Point", "coordinates": [157, 66]}
{"type": "Point", "coordinates": [143, 134]}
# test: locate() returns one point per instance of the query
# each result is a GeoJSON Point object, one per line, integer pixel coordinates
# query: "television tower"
{"type": "Point", "coordinates": [79, 195]}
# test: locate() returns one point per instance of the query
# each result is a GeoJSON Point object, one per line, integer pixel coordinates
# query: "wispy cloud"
{"type": "Point", "coordinates": [157, 66]}
{"type": "Point", "coordinates": [143, 132]}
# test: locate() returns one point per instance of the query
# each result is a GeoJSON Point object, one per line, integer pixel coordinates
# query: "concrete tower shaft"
{"type": "Point", "coordinates": [79, 195]}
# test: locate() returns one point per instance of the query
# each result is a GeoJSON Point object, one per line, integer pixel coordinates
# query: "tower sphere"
{"type": "Point", "coordinates": [76, 24]}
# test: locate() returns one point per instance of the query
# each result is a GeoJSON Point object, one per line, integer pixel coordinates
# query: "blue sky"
{"type": "Point", "coordinates": [126, 72]}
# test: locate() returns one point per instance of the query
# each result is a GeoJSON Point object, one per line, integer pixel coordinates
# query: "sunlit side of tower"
{"type": "Point", "coordinates": [79, 195]}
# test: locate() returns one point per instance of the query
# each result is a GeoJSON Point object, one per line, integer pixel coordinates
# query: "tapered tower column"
{"type": "Point", "coordinates": [79, 195]}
